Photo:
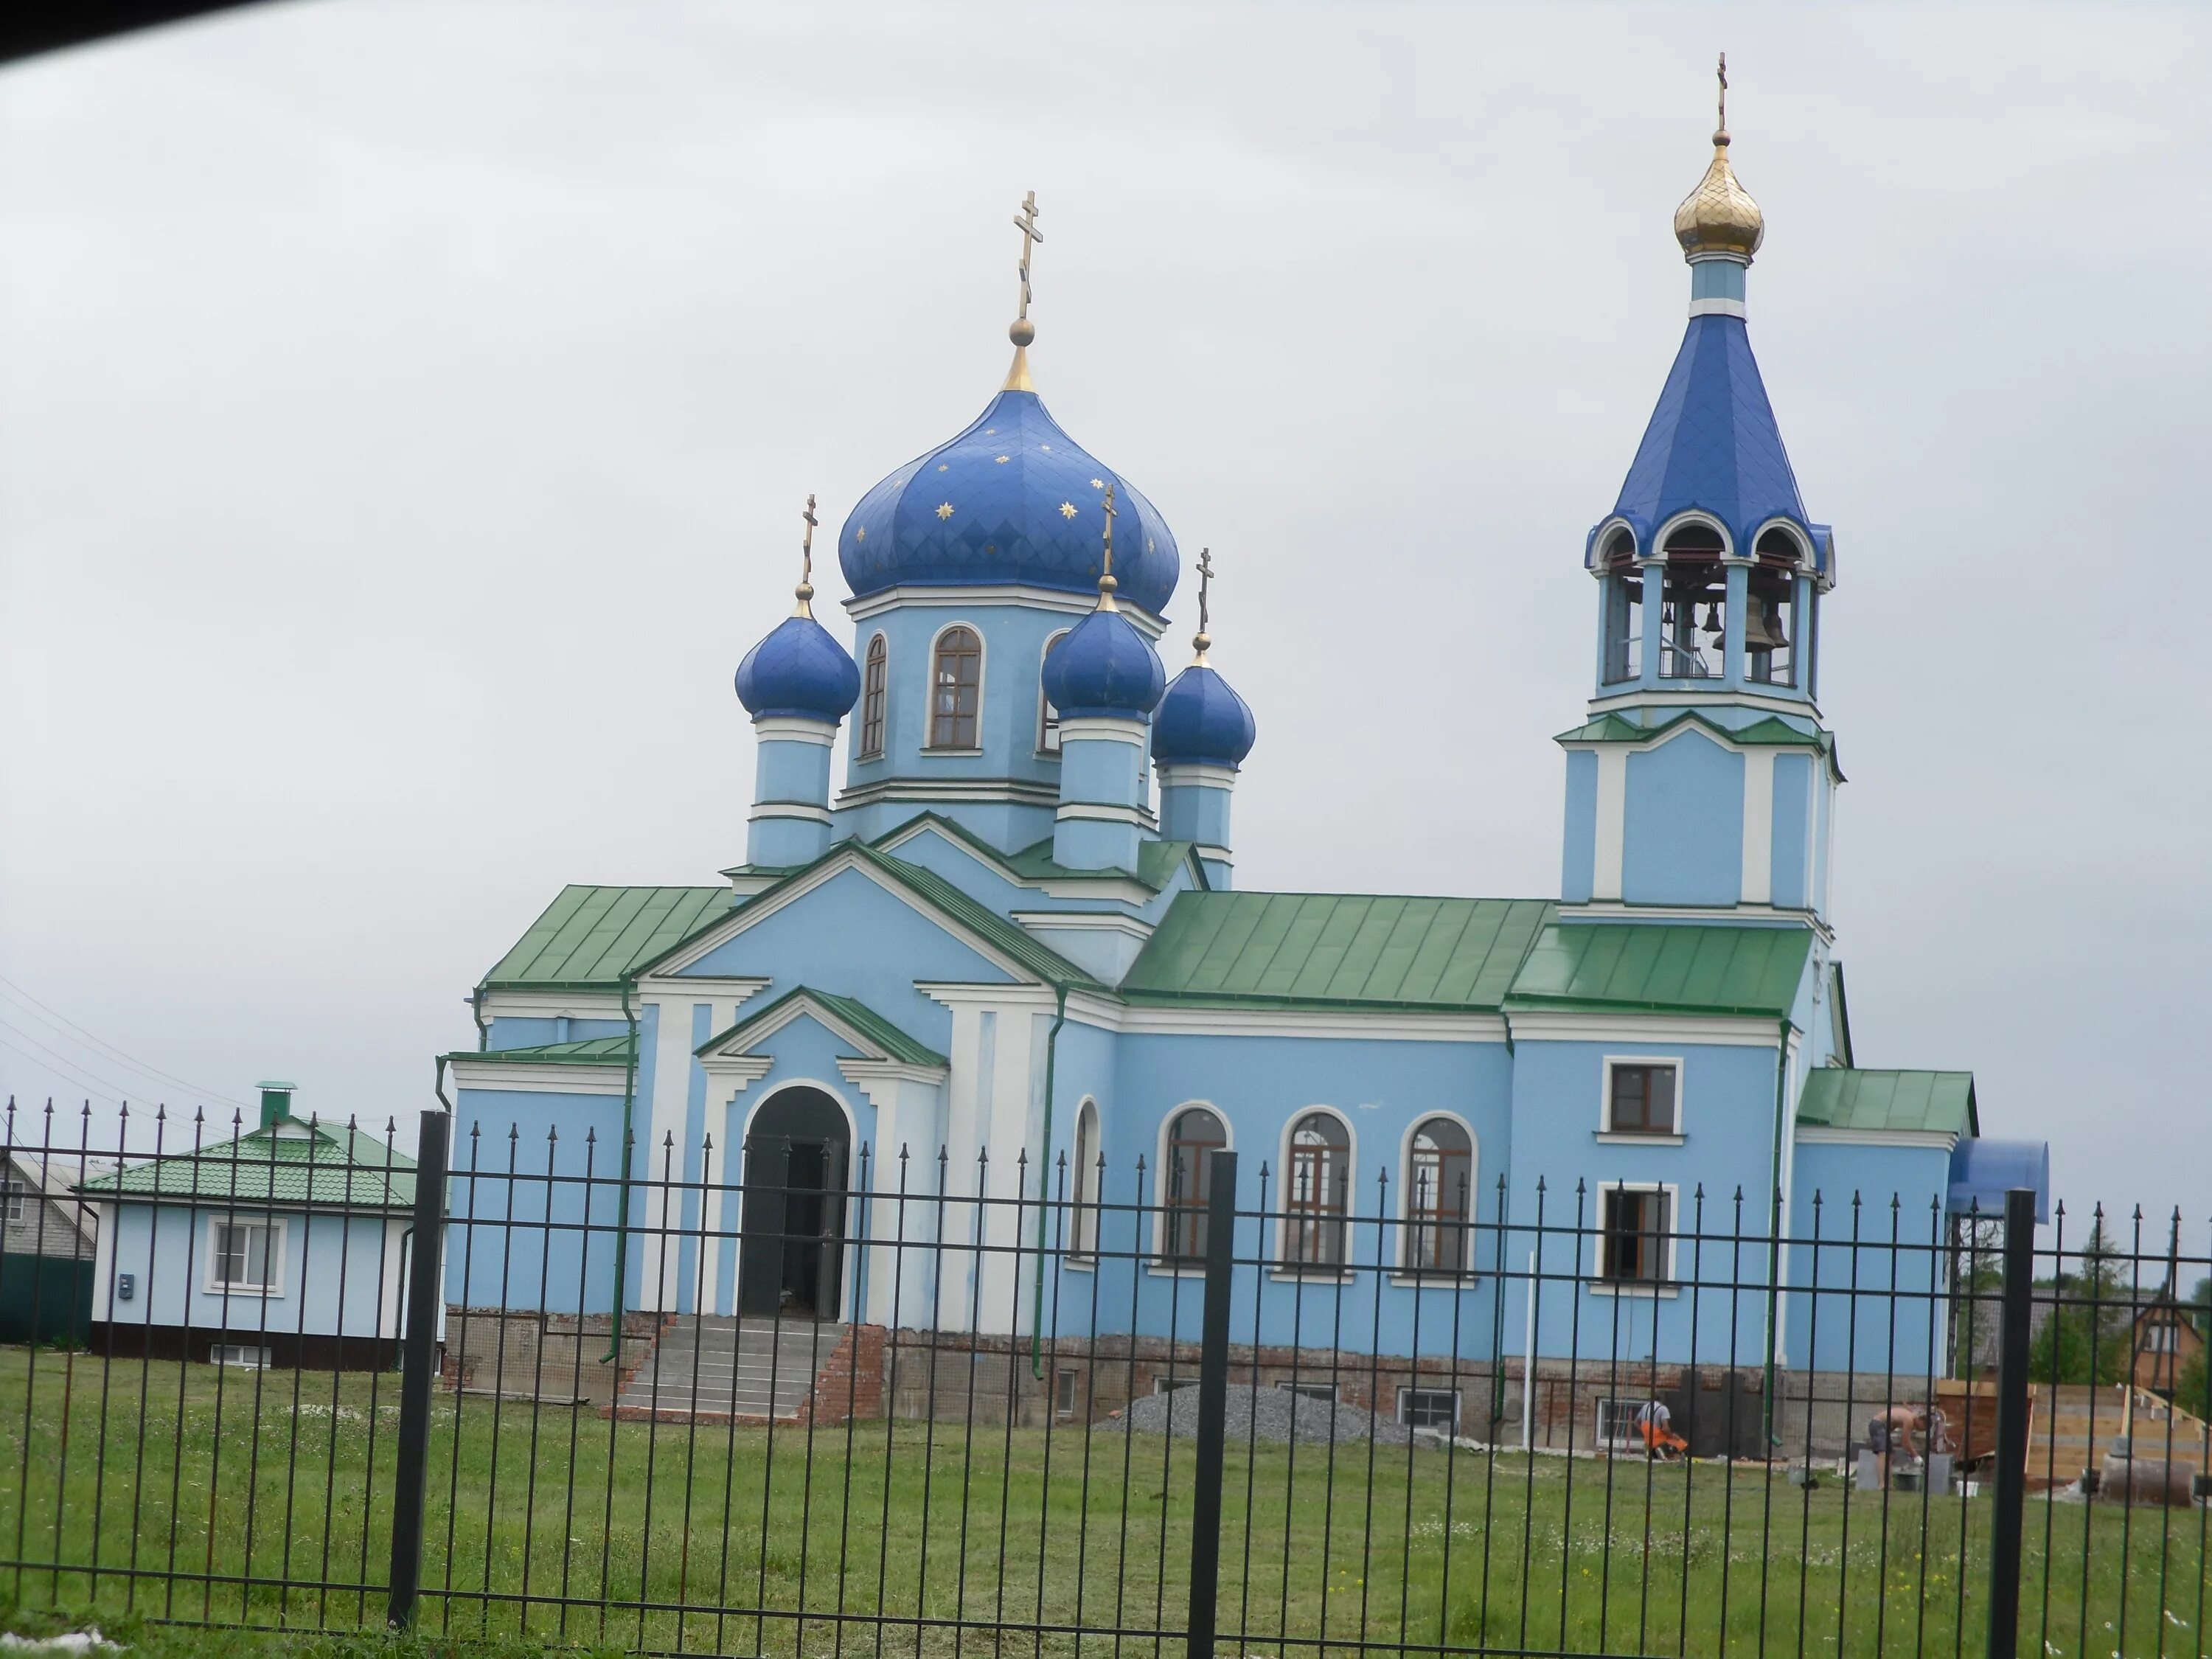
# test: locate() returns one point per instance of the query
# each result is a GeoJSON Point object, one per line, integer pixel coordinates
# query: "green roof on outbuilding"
{"type": "Point", "coordinates": [293, 1164]}
{"type": "Point", "coordinates": [1668, 967]}
{"type": "Point", "coordinates": [1839, 1097]}
{"type": "Point", "coordinates": [1331, 950]}
{"type": "Point", "coordinates": [590, 937]}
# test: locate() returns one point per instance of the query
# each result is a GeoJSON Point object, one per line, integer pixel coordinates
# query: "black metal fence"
{"type": "Point", "coordinates": [815, 1403]}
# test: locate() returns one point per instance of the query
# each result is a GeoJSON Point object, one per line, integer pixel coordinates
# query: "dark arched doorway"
{"type": "Point", "coordinates": [791, 1255]}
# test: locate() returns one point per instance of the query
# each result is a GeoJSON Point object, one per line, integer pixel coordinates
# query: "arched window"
{"type": "Point", "coordinates": [1083, 1228]}
{"type": "Point", "coordinates": [956, 686]}
{"type": "Point", "coordinates": [1770, 620]}
{"type": "Point", "coordinates": [1439, 1197]}
{"type": "Point", "coordinates": [1317, 1191]}
{"type": "Point", "coordinates": [1696, 601]}
{"type": "Point", "coordinates": [1048, 716]}
{"type": "Point", "coordinates": [1624, 610]}
{"type": "Point", "coordinates": [1186, 1180]}
{"type": "Point", "coordinates": [875, 683]}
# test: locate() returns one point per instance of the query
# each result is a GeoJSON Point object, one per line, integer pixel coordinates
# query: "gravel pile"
{"type": "Point", "coordinates": [1261, 1414]}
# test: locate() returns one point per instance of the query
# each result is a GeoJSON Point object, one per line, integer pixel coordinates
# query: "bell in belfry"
{"type": "Point", "coordinates": [1762, 629]}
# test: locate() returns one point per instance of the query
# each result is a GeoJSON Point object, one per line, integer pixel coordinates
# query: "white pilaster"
{"type": "Point", "coordinates": [1757, 826]}
{"type": "Point", "coordinates": [1612, 821]}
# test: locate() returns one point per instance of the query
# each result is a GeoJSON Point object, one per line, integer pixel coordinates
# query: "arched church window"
{"type": "Point", "coordinates": [956, 687]}
{"type": "Point", "coordinates": [1439, 1197]}
{"type": "Point", "coordinates": [1694, 627]}
{"type": "Point", "coordinates": [1082, 1224]}
{"type": "Point", "coordinates": [1317, 1192]}
{"type": "Point", "coordinates": [1624, 610]}
{"type": "Point", "coordinates": [1770, 617]}
{"type": "Point", "coordinates": [1194, 1136]}
{"type": "Point", "coordinates": [1048, 716]}
{"type": "Point", "coordinates": [875, 683]}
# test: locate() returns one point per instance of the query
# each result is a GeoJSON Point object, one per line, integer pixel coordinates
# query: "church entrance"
{"type": "Point", "coordinates": [791, 1255]}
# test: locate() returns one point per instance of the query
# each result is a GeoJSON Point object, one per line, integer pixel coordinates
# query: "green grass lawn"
{"type": "Point", "coordinates": [169, 1493]}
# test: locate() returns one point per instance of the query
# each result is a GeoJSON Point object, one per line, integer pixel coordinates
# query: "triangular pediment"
{"type": "Point", "coordinates": [850, 1021]}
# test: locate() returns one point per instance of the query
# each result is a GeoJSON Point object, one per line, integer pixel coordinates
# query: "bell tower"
{"type": "Point", "coordinates": [1703, 777]}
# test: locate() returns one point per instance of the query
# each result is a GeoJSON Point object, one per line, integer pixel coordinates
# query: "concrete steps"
{"type": "Point", "coordinates": [720, 1367]}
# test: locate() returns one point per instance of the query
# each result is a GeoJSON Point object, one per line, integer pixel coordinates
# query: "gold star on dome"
{"type": "Point", "coordinates": [944, 466]}
{"type": "Point", "coordinates": [1068, 509]}
{"type": "Point", "coordinates": [1003, 459]}
{"type": "Point", "coordinates": [945, 509]}
{"type": "Point", "coordinates": [990, 432]}
{"type": "Point", "coordinates": [1046, 447]}
{"type": "Point", "coordinates": [1098, 483]}
{"type": "Point", "coordinates": [861, 534]}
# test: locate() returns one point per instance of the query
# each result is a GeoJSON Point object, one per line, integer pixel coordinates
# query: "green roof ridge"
{"type": "Point", "coordinates": [331, 1166]}
{"type": "Point", "coordinates": [591, 938]}
{"type": "Point", "coordinates": [583, 1051]}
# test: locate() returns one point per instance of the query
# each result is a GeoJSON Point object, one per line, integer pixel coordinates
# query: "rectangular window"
{"type": "Point", "coordinates": [1642, 1101]}
{"type": "Point", "coordinates": [1635, 1226]}
{"type": "Point", "coordinates": [1428, 1408]}
{"type": "Point", "coordinates": [13, 1198]}
{"type": "Point", "coordinates": [238, 1353]}
{"type": "Point", "coordinates": [875, 686]}
{"type": "Point", "coordinates": [1620, 1423]}
{"type": "Point", "coordinates": [244, 1256]}
{"type": "Point", "coordinates": [1064, 1387]}
{"type": "Point", "coordinates": [1623, 627]}
{"type": "Point", "coordinates": [956, 688]}
{"type": "Point", "coordinates": [2161, 1339]}
{"type": "Point", "coordinates": [1311, 1390]}
{"type": "Point", "coordinates": [1171, 1384]}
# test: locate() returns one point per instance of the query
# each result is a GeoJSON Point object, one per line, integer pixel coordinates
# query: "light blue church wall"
{"type": "Point", "coordinates": [1683, 833]}
{"type": "Point", "coordinates": [338, 1275]}
{"type": "Point", "coordinates": [565, 1268]}
{"type": "Point", "coordinates": [1726, 1100]}
{"type": "Point", "coordinates": [1889, 1199]}
{"type": "Point", "coordinates": [515, 1031]}
{"type": "Point", "coordinates": [1579, 862]}
{"type": "Point", "coordinates": [934, 851]}
{"type": "Point", "coordinates": [786, 769]}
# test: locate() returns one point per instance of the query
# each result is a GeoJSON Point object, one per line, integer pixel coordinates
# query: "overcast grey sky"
{"type": "Point", "coordinates": [404, 409]}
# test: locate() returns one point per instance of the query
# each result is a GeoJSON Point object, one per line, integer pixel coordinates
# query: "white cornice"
{"type": "Point", "coordinates": [590, 1078]}
{"type": "Point", "coordinates": [1110, 921]}
{"type": "Point", "coordinates": [1032, 598]}
{"type": "Point", "coordinates": [743, 1070]}
{"type": "Point", "coordinates": [802, 810]}
{"type": "Point", "coordinates": [549, 1005]}
{"type": "Point", "coordinates": [1098, 727]}
{"type": "Point", "coordinates": [1195, 775]}
{"type": "Point", "coordinates": [785, 728]}
{"type": "Point", "coordinates": [862, 1072]}
{"type": "Point", "coordinates": [1019, 792]}
{"type": "Point", "coordinates": [955, 993]}
{"type": "Point", "coordinates": [1089, 812]}
{"type": "Point", "coordinates": [1754, 1031]}
{"type": "Point", "coordinates": [1822, 1134]}
{"type": "Point", "coordinates": [1717, 307]}
{"type": "Point", "coordinates": [668, 987]}
{"type": "Point", "coordinates": [1804, 707]}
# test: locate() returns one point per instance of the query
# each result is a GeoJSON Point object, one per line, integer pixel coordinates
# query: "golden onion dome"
{"type": "Point", "coordinates": [1719, 216]}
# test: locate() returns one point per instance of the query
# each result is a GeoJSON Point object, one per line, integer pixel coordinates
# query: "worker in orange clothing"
{"type": "Point", "coordinates": [1654, 1422]}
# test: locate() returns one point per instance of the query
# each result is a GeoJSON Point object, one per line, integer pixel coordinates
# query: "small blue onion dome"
{"type": "Point", "coordinates": [1104, 668]}
{"type": "Point", "coordinates": [798, 672]}
{"type": "Point", "coordinates": [1202, 722]}
{"type": "Point", "coordinates": [1010, 499]}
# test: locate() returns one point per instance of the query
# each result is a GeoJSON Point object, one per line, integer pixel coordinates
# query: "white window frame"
{"type": "Point", "coordinates": [279, 1253]}
{"type": "Point", "coordinates": [248, 1356]}
{"type": "Point", "coordinates": [15, 1198]}
{"type": "Point", "coordinates": [1612, 1412]}
{"type": "Point", "coordinates": [1607, 1133]}
{"type": "Point", "coordinates": [1083, 1224]}
{"type": "Point", "coordinates": [1158, 1261]}
{"type": "Point", "coordinates": [1049, 716]}
{"type": "Point", "coordinates": [1172, 1384]}
{"type": "Point", "coordinates": [1323, 1391]}
{"type": "Point", "coordinates": [1283, 1267]}
{"type": "Point", "coordinates": [1599, 1284]}
{"type": "Point", "coordinates": [884, 732]}
{"type": "Point", "coordinates": [1066, 1382]}
{"type": "Point", "coordinates": [929, 690]}
{"type": "Point", "coordinates": [1405, 1393]}
{"type": "Point", "coordinates": [1404, 1270]}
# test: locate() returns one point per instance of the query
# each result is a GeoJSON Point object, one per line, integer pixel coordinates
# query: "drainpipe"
{"type": "Point", "coordinates": [1037, 1296]}
{"type": "Point", "coordinates": [613, 1355]}
{"type": "Point", "coordinates": [476, 1013]}
{"type": "Point", "coordinates": [1774, 1222]}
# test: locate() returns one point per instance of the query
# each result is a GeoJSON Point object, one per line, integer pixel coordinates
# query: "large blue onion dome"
{"type": "Point", "coordinates": [798, 672]}
{"type": "Point", "coordinates": [1202, 721]}
{"type": "Point", "coordinates": [1010, 499]}
{"type": "Point", "coordinates": [1104, 667]}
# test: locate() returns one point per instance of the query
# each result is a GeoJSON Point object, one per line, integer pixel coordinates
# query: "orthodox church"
{"type": "Point", "coordinates": [1009, 954]}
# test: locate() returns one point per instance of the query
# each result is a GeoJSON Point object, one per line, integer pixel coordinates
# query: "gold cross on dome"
{"type": "Point", "coordinates": [1722, 73]}
{"type": "Point", "coordinates": [1025, 222]}
{"type": "Point", "coordinates": [1106, 582]}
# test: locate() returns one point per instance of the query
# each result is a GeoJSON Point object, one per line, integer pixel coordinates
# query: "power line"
{"type": "Point", "coordinates": [55, 1015]}
{"type": "Point", "coordinates": [97, 1091]}
{"type": "Point", "coordinates": [63, 1063]}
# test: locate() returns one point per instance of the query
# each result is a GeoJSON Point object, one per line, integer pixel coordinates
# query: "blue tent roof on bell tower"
{"type": "Point", "coordinates": [1712, 443]}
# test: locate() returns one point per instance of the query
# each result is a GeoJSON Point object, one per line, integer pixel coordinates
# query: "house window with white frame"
{"type": "Point", "coordinates": [1428, 1408]}
{"type": "Point", "coordinates": [1318, 1195]}
{"type": "Point", "coordinates": [14, 1197]}
{"type": "Point", "coordinates": [246, 1255]}
{"type": "Point", "coordinates": [1642, 1099]}
{"type": "Point", "coordinates": [1439, 1197]}
{"type": "Point", "coordinates": [1065, 1385]}
{"type": "Point", "coordinates": [1048, 716]}
{"type": "Point", "coordinates": [1634, 1235]}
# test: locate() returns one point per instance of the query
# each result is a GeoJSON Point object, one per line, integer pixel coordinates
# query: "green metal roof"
{"type": "Point", "coordinates": [871, 1025]}
{"type": "Point", "coordinates": [591, 937]}
{"type": "Point", "coordinates": [1674, 968]}
{"type": "Point", "coordinates": [1325, 949]}
{"type": "Point", "coordinates": [586, 1051]}
{"type": "Point", "coordinates": [1838, 1098]}
{"type": "Point", "coordinates": [309, 1164]}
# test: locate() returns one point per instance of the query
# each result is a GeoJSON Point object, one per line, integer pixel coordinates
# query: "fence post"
{"type": "Point", "coordinates": [418, 1365]}
{"type": "Point", "coordinates": [1212, 1401]}
{"type": "Point", "coordinates": [2012, 1424]}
